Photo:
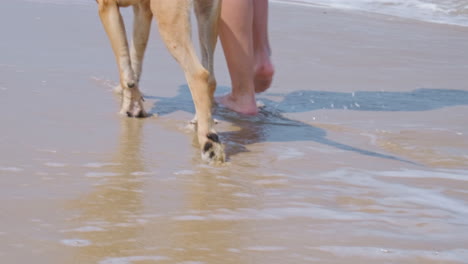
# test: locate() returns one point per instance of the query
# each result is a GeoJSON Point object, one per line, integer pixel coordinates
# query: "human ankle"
{"type": "Point", "coordinates": [242, 105]}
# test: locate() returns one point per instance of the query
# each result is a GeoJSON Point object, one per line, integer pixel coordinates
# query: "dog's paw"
{"type": "Point", "coordinates": [136, 110]}
{"type": "Point", "coordinates": [132, 106]}
{"type": "Point", "coordinates": [213, 150]}
{"type": "Point", "coordinates": [137, 114]}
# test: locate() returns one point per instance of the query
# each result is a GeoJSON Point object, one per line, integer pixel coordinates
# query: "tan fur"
{"type": "Point", "coordinates": [173, 19]}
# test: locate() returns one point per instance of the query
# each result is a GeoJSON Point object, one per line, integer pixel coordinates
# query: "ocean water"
{"type": "Point", "coordinates": [453, 12]}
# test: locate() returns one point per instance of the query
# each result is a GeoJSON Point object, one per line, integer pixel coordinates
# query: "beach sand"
{"type": "Point", "coordinates": [360, 154]}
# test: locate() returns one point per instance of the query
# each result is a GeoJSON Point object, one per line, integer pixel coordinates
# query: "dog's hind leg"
{"type": "Point", "coordinates": [141, 31]}
{"type": "Point", "coordinates": [132, 101]}
{"type": "Point", "coordinates": [174, 26]}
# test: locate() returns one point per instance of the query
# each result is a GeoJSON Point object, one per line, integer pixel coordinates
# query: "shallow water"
{"type": "Point", "coordinates": [138, 202]}
{"type": "Point", "coordinates": [453, 12]}
{"type": "Point", "coordinates": [366, 163]}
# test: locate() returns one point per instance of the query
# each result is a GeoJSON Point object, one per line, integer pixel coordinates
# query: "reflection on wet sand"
{"type": "Point", "coordinates": [116, 225]}
{"type": "Point", "coordinates": [107, 214]}
{"type": "Point", "coordinates": [197, 236]}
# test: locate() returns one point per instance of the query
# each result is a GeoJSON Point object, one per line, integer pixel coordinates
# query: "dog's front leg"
{"type": "Point", "coordinates": [173, 19]}
{"type": "Point", "coordinates": [208, 15]}
{"type": "Point", "coordinates": [132, 100]}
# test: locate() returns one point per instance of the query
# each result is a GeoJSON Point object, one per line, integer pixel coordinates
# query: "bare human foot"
{"type": "Point", "coordinates": [244, 105]}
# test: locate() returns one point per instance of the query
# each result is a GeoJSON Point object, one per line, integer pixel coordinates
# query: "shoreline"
{"type": "Point", "coordinates": [390, 16]}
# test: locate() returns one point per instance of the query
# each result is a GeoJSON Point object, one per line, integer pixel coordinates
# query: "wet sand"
{"type": "Point", "coordinates": [360, 154]}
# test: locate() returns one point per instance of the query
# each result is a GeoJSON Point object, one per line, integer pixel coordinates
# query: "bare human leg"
{"type": "Point", "coordinates": [264, 69]}
{"type": "Point", "coordinates": [236, 31]}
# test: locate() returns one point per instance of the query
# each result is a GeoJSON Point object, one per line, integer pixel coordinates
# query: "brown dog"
{"type": "Point", "coordinates": [173, 18]}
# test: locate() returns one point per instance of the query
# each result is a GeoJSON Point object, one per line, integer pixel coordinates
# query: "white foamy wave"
{"type": "Point", "coordinates": [11, 169]}
{"type": "Point", "coordinates": [132, 259]}
{"type": "Point", "coordinates": [55, 164]}
{"type": "Point", "coordinates": [100, 164]}
{"type": "Point", "coordinates": [266, 248]}
{"type": "Point", "coordinates": [101, 174]}
{"type": "Point", "coordinates": [453, 12]}
{"type": "Point", "coordinates": [76, 242]}
{"type": "Point", "coordinates": [458, 175]}
{"type": "Point", "coordinates": [454, 255]}
{"type": "Point", "coordinates": [85, 229]}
